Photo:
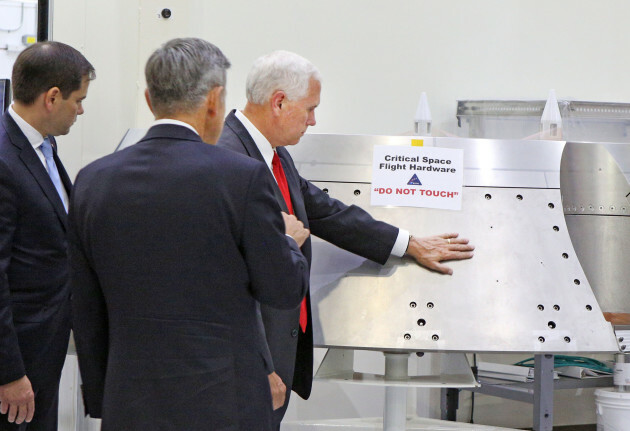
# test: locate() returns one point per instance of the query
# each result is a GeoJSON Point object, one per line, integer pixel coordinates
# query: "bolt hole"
{"type": "Point", "coordinates": [357, 192]}
{"type": "Point", "coordinates": [567, 339]}
{"type": "Point", "coordinates": [556, 228]}
{"type": "Point", "coordinates": [552, 325]}
{"type": "Point", "coordinates": [407, 336]}
{"type": "Point", "coordinates": [541, 339]}
{"type": "Point", "coordinates": [556, 307]}
{"type": "Point", "coordinates": [551, 205]}
{"type": "Point", "coordinates": [435, 337]}
{"type": "Point", "coordinates": [519, 197]}
{"type": "Point", "coordinates": [430, 305]}
{"type": "Point", "coordinates": [422, 322]}
{"type": "Point", "coordinates": [325, 190]}
{"type": "Point", "coordinates": [565, 255]}
{"type": "Point", "coordinates": [589, 308]}
{"type": "Point", "coordinates": [413, 305]}
{"type": "Point", "coordinates": [488, 196]}
{"type": "Point", "coordinates": [541, 307]}
{"type": "Point", "coordinates": [577, 282]}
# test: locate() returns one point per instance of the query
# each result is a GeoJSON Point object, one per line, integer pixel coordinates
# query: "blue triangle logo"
{"type": "Point", "coordinates": [414, 181]}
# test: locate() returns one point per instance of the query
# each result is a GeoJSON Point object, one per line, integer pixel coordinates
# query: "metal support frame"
{"type": "Point", "coordinates": [395, 411]}
{"type": "Point", "coordinates": [539, 392]}
{"type": "Point", "coordinates": [543, 392]}
{"type": "Point", "coordinates": [449, 403]}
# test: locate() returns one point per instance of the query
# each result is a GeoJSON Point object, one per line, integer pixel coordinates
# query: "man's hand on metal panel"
{"type": "Point", "coordinates": [431, 251]}
{"type": "Point", "coordinates": [18, 400]}
{"type": "Point", "coordinates": [295, 228]}
{"type": "Point", "coordinates": [278, 390]}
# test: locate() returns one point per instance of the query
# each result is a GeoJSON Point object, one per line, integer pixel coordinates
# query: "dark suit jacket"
{"type": "Point", "coordinates": [34, 293]}
{"type": "Point", "coordinates": [172, 242]}
{"type": "Point", "coordinates": [348, 227]}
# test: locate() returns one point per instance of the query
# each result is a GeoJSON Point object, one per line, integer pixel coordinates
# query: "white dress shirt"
{"type": "Point", "coordinates": [175, 122]}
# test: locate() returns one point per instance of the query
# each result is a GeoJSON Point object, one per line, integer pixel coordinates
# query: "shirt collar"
{"type": "Point", "coordinates": [261, 142]}
{"type": "Point", "coordinates": [174, 122]}
{"type": "Point", "coordinates": [34, 137]}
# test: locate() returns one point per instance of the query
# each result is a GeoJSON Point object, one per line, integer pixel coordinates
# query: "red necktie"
{"type": "Point", "coordinates": [278, 172]}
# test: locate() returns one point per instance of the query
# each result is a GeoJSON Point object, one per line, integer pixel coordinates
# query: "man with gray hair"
{"type": "Point", "coordinates": [172, 244]}
{"type": "Point", "coordinates": [283, 90]}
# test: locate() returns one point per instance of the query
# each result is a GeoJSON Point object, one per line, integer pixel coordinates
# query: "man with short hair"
{"type": "Point", "coordinates": [173, 242]}
{"type": "Point", "coordinates": [283, 90]}
{"type": "Point", "coordinates": [50, 81]}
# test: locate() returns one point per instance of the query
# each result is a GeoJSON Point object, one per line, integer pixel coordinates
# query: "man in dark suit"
{"type": "Point", "coordinates": [283, 90]}
{"type": "Point", "coordinates": [50, 81]}
{"type": "Point", "coordinates": [173, 243]}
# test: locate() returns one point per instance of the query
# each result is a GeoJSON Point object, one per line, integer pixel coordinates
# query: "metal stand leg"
{"type": "Point", "coordinates": [543, 392]}
{"type": "Point", "coordinates": [449, 403]}
{"type": "Point", "coordinates": [395, 412]}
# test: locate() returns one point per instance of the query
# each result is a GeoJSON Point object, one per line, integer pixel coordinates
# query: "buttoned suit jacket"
{"type": "Point", "coordinates": [34, 291]}
{"type": "Point", "coordinates": [172, 243]}
{"type": "Point", "coordinates": [348, 227]}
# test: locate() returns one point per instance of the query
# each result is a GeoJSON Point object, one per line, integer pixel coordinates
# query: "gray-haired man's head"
{"type": "Point", "coordinates": [180, 74]}
{"type": "Point", "coordinates": [280, 70]}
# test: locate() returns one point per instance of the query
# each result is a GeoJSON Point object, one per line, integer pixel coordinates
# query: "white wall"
{"type": "Point", "coordinates": [376, 58]}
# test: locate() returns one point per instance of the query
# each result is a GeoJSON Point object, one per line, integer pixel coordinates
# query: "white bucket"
{"type": "Point", "coordinates": [613, 410]}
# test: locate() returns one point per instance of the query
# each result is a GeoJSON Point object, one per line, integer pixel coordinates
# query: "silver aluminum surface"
{"type": "Point", "coordinates": [595, 199]}
{"type": "Point", "coordinates": [518, 294]}
{"type": "Point", "coordinates": [487, 162]}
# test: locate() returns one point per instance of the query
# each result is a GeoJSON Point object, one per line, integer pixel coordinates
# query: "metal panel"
{"type": "Point", "coordinates": [524, 291]}
{"type": "Point", "coordinates": [487, 162]}
{"type": "Point", "coordinates": [595, 199]}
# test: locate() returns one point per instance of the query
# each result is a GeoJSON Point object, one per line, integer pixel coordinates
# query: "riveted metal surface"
{"type": "Point", "coordinates": [595, 198]}
{"type": "Point", "coordinates": [524, 291]}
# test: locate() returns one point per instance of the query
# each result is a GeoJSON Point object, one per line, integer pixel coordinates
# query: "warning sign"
{"type": "Point", "coordinates": [417, 176]}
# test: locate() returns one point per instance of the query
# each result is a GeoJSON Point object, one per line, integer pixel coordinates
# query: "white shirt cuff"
{"type": "Point", "coordinates": [401, 244]}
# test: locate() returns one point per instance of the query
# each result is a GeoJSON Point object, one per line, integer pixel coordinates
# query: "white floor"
{"type": "Point", "coordinates": [372, 424]}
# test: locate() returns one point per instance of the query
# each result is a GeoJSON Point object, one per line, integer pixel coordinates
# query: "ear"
{"type": "Point", "coordinates": [214, 101]}
{"type": "Point", "coordinates": [276, 100]}
{"type": "Point", "coordinates": [51, 96]}
{"type": "Point", "coordinates": [148, 99]}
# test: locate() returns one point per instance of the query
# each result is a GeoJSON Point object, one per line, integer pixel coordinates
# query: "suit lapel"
{"type": "Point", "coordinates": [37, 169]}
{"type": "Point", "coordinates": [252, 151]}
